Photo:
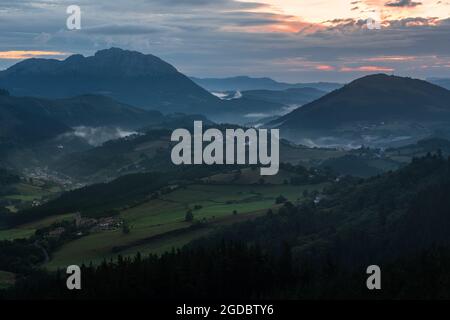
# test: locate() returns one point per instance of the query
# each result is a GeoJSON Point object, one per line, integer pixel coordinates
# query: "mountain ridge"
{"type": "Point", "coordinates": [245, 83]}
{"type": "Point", "coordinates": [142, 80]}
{"type": "Point", "coordinates": [373, 110]}
{"type": "Point", "coordinates": [367, 95]}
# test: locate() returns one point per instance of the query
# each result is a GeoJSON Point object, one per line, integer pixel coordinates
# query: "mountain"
{"type": "Point", "coordinates": [257, 106]}
{"type": "Point", "coordinates": [35, 132]}
{"type": "Point", "coordinates": [23, 120]}
{"type": "Point", "coordinates": [32, 119]}
{"type": "Point", "coordinates": [376, 106]}
{"type": "Point", "coordinates": [291, 96]}
{"type": "Point", "coordinates": [445, 83]}
{"type": "Point", "coordinates": [97, 110]}
{"type": "Point", "coordinates": [131, 77]}
{"type": "Point", "coordinates": [177, 120]}
{"type": "Point", "coordinates": [241, 83]}
{"type": "Point", "coordinates": [141, 80]}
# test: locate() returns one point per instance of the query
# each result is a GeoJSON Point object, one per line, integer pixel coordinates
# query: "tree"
{"type": "Point", "coordinates": [125, 228]}
{"type": "Point", "coordinates": [280, 199]}
{"type": "Point", "coordinates": [189, 216]}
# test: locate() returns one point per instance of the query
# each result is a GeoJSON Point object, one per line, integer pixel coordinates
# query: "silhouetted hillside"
{"type": "Point", "coordinates": [373, 98]}
{"type": "Point", "coordinates": [128, 76]}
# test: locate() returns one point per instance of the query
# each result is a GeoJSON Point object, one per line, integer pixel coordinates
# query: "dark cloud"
{"type": "Point", "coordinates": [207, 3]}
{"type": "Point", "coordinates": [403, 3]}
{"type": "Point", "coordinates": [124, 29]}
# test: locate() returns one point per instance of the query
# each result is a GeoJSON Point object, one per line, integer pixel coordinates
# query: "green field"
{"type": "Point", "coordinates": [24, 193]}
{"type": "Point", "coordinates": [16, 233]}
{"type": "Point", "coordinates": [164, 218]}
{"type": "Point", "coordinates": [248, 176]}
{"type": "Point", "coordinates": [30, 192]}
{"type": "Point", "coordinates": [27, 230]}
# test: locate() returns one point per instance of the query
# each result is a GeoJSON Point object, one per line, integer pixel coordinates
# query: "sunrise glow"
{"type": "Point", "coordinates": [23, 54]}
{"type": "Point", "coordinates": [327, 12]}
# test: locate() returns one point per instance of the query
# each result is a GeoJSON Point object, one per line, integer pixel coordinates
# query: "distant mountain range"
{"type": "Point", "coordinates": [141, 80]}
{"type": "Point", "coordinates": [242, 83]}
{"type": "Point", "coordinates": [87, 90]}
{"type": "Point", "coordinates": [131, 77]}
{"type": "Point", "coordinates": [291, 96]}
{"type": "Point", "coordinates": [445, 83]}
{"type": "Point", "coordinates": [257, 106]}
{"type": "Point", "coordinates": [372, 107]}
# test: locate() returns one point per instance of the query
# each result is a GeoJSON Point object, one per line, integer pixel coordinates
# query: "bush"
{"type": "Point", "coordinates": [189, 216]}
{"type": "Point", "coordinates": [125, 228]}
{"type": "Point", "coordinates": [280, 199]}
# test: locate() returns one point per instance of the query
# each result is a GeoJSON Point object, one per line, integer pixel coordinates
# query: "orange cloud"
{"type": "Point", "coordinates": [25, 54]}
{"type": "Point", "coordinates": [290, 26]}
{"type": "Point", "coordinates": [366, 69]}
{"type": "Point", "coordinates": [325, 67]}
{"type": "Point", "coordinates": [319, 11]}
{"type": "Point", "coordinates": [280, 24]}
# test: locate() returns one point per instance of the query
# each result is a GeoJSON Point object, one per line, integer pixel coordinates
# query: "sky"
{"type": "Point", "coordinates": [288, 40]}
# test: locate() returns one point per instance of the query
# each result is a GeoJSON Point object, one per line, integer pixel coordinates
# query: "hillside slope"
{"type": "Point", "coordinates": [29, 119]}
{"type": "Point", "coordinates": [377, 105]}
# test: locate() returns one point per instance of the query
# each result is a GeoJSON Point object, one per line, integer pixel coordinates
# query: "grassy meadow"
{"type": "Point", "coordinates": [159, 224]}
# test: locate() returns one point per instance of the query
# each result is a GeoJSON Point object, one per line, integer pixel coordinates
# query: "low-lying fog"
{"type": "Point", "coordinates": [367, 141]}
{"type": "Point", "coordinates": [96, 136]}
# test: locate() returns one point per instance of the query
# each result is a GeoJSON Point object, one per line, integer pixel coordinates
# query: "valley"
{"type": "Point", "coordinates": [157, 222]}
{"type": "Point", "coordinates": [87, 178]}
{"type": "Point", "coordinates": [153, 223]}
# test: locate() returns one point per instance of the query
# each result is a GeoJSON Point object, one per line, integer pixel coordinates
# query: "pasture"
{"type": "Point", "coordinates": [159, 224]}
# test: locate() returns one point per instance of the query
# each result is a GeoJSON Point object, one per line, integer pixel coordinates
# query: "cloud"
{"type": "Point", "coordinates": [325, 67]}
{"type": "Point", "coordinates": [208, 3]}
{"type": "Point", "coordinates": [403, 3]}
{"type": "Point", "coordinates": [226, 37]}
{"type": "Point", "coordinates": [369, 69]}
{"type": "Point", "coordinates": [23, 54]}
{"type": "Point", "coordinates": [391, 59]}
{"type": "Point", "coordinates": [124, 29]}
